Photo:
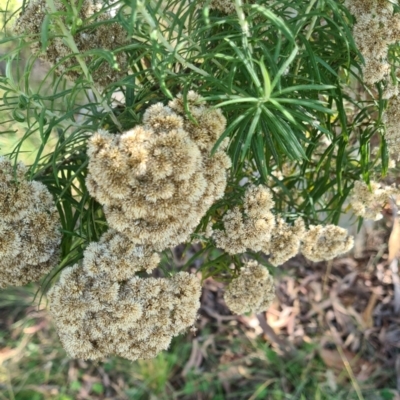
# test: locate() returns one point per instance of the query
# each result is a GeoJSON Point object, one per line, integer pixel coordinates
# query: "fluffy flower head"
{"type": "Point", "coordinates": [100, 310]}
{"type": "Point", "coordinates": [252, 291]}
{"type": "Point", "coordinates": [157, 180]}
{"type": "Point", "coordinates": [249, 227]}
{"type": "Point", "coordinates": [376, 28]}
{"type": "Point", "coordinates": [29, 227]}
{"type": "Point", "coordinates": [285, 241]}
{"type": "Point", "coordinates": [369, 203]}
{"type": "Point", "coordinates": [107, 36]}
{"type": "Point", "coordinates": [326, 242]}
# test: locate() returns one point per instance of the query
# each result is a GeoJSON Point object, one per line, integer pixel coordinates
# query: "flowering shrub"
{"type": "Point", "coordinates": [247, 126]}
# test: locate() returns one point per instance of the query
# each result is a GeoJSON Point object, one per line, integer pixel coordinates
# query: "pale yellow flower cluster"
{"type": "Point", "coordinates": [368, 203]}
{"type": "Point", "coordinates": [104, 36]}
{"type": "Point", "coordinates": [225, 6]}
{"type": "Point", "coordinates": [285, 241]}
{"type": "Point", "coordinates": [157, 180]}
{"type": "Point", "coordinates": [117, 256]}
{"type": "Point", "coordinates": [254, 227]}
{"type": "Point", "coordinates": [249, 228]}
{"type": "Point", "coordinates": [30, 230]}
{"type": "Point", "coordinates": [102, 308]}
{"type": "Point", "coordinates": [322, 243]}
{"type": "Point", "coordinates": [252, 291]}
{"type": "Point", "coordinates": [376, 28]}
{"type": "Point", "coordinates": [391, 118]}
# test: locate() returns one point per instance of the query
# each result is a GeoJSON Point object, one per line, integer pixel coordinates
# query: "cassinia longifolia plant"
{"type": "Point", "coordinates": [232, 132]}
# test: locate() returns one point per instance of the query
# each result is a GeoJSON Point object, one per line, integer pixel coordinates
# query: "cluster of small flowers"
{"type": "Point", "coordinates": [252, 291]}
{"type": "Point", "coordinates": [325, 242]}
{"type": "Point", "coordinates": [157, 180]}
{"type": "Point", "coordinates": [30, 232]}
{"type": "Point", "coordinates": [257, 229]}
{"type": "Point", "coordinates": [251, 229]}
{"type": "Point", "coordinates": [376, 28]}
{"type": "Point", "coordinates": [102, 308]}
{"type": "Point", "coordinates": [105, 36]}
{"type": "Point", "coordinates": [285, 241]}
{"type": "Point", "coordinates": [368, 203]}
{"type": "Point", "coordinates": [225, 6]}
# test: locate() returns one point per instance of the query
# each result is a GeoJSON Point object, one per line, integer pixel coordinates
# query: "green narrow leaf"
{"type": "Point", "coordinates": [230, 129]}
{"type": "Point", "coordinates": [269, 142]}
{"type": "Point", "coordinates": [250, 133]}
{"type": "Point", "coordinates": [18, 115]}
{"type": "Point", "coordinates": [44, 32]}
{"type": "Point", "coordinates": [284, 67]}
{"type": "Point", "coordinates": [284, 134]}
{"type": "Point", "coordinates": [384, 157]}
{"type": "Point", "coordinates": [257, 146]}
{"type": "Point", "coordinates": [246, 62]}
{"type": "Point", "coordinates": [266, 79]}
{"type": "Point", "coordinates": [340, 162]}
{"type": "Point", "coordinates": [130, 94]}
{"type": "Point", "coordinates": [299, 88]}
{"type": "Point", "coordinates": [342, 113]}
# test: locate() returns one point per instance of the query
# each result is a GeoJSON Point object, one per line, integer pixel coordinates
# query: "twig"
{"type": "Point", "coordinates": [350, 373]}
{"type": "Point", "coordinates": [284, 345]}
{"type": "Point", "coordinates": [326, 277]}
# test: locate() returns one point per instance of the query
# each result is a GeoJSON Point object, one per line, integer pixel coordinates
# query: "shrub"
{"type": "Point", "coordinates": [242, 125]}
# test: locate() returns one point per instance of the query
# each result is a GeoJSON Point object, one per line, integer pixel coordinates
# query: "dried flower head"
{"type": "Point", "coordinates": [252, 291]}
{"type": "Point", "coordinates": [30, 231]}
{"type": "Point", "coordinates": [325, 242]}
{"type": "Point", "coordinates": [106, 35]}
{"type": "Point", "coordinates": [285, 241]}
{"type": "Point", "coordinates": [115, 255]}
{"type": "Point", "coordinates": [250, 227]}
{"type": "Point", "coordinates": [157, 181]}
{"type": "Point", "coordinates": [225, 6]}
{"type": "Point", "coordinates": [210, 122]}
{"type": "Point", "coordinates": [376, 28]}
{"type": "Point", "coordinates": [368, 203]}
{"type": "Point", "coordinates": [362, 7]}
{"type": "Point", "coordinates": [98, 311]}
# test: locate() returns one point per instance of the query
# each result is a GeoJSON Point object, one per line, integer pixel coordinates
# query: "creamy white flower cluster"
{"type": "Point", "coordinates": [155, 183]}
{"type": "Point", "coordinates": [157, 180]}
{"type": "Point", "coordinates": [368, 203]}
{"type": "Point", "coordinates": [30, 231]}
{"type": "Point", "coordinates": [254, 227]}
{"type": "Point", "coordinates": [252, 291]}
{"type": "Point", "coordinates": [105, 36]}
{"type": "Point", "coordinates": [102, 308]}
{"type": "Point", "coordinates": [376, 28]}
